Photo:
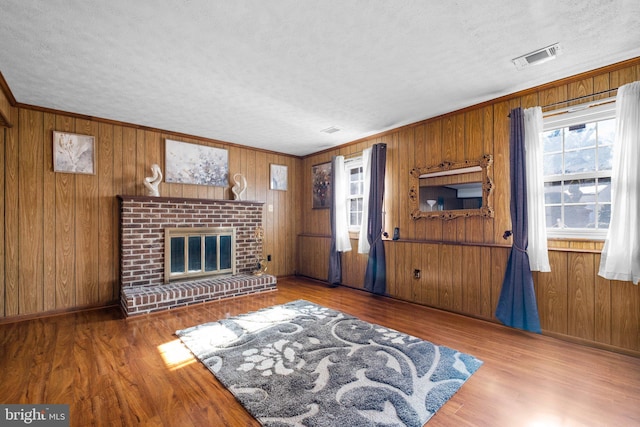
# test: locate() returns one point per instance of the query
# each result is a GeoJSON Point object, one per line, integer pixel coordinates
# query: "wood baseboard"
{"type": "Point", "coordinates": [58, 312]}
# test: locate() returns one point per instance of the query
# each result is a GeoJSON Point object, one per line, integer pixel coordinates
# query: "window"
{"type": "Point", "coordinates": [577, 172]}
{"type": "Point", "coordinates": [355, 200]}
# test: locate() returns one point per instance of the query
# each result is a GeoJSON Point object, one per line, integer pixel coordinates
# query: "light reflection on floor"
{"type": "Point", "coordinates": [175, 354]}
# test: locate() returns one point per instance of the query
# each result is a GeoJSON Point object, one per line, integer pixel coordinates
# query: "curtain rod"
{"type": "Point", "coordinates": [579, 98]}
{"type": "Point", "coordinates": [579, 107]}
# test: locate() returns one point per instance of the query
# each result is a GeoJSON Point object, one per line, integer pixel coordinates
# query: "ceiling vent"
{"type": "Point", "coordinates": [331, 129]}
{"type": "Point", "coordinates": [537, 57]}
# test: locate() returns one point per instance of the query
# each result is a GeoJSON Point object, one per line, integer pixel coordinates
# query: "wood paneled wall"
{"type": "Point", "coordinates": [5, 110]}
{"type": "Point", "coordinates": [5, 102]}
{"type": "Point", "coordinates": [462, 261]}
{"type": "Point", "coordinates": [60, 245]}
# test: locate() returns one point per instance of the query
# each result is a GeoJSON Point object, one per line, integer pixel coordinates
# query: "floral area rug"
{"type": "Point", "coordinates": [301, 364]}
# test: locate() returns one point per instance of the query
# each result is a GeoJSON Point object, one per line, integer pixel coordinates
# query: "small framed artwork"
{"type": "Point", "coordinates": [278, 177]}
{"type": "Point", "coordinates": [321, 186]}
{"type": "Point", "coordinates": [73, 153]}
{"type": "Point", "coordinates": [187, 163]}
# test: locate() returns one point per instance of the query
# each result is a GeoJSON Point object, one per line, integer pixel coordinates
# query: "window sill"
{"type": "Point", "coordinates": [566, 234]}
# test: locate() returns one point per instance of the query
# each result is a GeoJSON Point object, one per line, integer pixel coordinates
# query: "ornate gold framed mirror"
{"type": "Point", "coordinates": [451, 190]}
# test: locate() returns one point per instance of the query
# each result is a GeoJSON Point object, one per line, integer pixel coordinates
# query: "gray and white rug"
{"type": "Point", "coordinates": [301, 364]}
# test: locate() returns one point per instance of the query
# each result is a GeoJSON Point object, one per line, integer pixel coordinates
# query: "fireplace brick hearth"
{"type": "Point", "coordinates": [148, 299]}
{"type": "Point", "coordinates": [142, 223]}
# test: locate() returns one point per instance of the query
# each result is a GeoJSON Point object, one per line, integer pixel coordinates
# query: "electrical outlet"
{"type": "Point", "coordinates": [416, 274]}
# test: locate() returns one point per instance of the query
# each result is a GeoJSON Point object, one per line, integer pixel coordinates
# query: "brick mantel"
{"type": "Point", "coordinates": [143, 220]}
{"type": "Point", "coordinates": [187, 200]}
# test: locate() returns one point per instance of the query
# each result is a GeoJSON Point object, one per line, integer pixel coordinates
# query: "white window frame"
{"type": "Point", "coordinates": [580, 114]}
{"type": "Point", "coordinates": [349, 165]}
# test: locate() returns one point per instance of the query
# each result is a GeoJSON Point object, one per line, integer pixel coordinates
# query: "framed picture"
{"type": "Point", "coordinates": [73, 153]}
{"type": "Point", "coordinates": [187, 163]}
{"type": "Point", "coordinates": [321, 186]}
{"type": "Point", "coordinates": [278, 177]}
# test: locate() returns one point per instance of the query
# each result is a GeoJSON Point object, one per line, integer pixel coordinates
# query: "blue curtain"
{"type": "Point", "coordinates": [517, 305]}
{"type": "Point", "coordinates": [335, 258]}
{"type": "Point", "coordinates": [375, 278]}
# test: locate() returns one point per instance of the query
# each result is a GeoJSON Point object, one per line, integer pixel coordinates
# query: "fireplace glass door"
{"type": "Point", "coordinates": [195, 252]}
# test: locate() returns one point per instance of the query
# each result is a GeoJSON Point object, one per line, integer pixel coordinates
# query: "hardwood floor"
{"type": "Point", "coordinates": [127, 372]}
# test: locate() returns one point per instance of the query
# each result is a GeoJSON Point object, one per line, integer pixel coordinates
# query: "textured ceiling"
{"type": "Point", "coordinates": [273, 74]}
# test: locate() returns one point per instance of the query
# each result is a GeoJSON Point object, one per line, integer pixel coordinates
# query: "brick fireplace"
{"type": "Point", "coordinates": [143, 220]}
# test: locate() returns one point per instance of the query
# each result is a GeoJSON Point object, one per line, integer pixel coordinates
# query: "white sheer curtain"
{"type": "Point", "coordinates": [536, 224]}
{"type": "Point", "coordinates": [363, 242]}
{"type": "Point", "coordinates": [343, 243]}
{"type": "Point", "coordinates": [621, 253]}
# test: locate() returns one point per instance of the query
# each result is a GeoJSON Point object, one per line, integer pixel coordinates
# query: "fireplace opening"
{"type": "Point", "coordinates": [199, 252]}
